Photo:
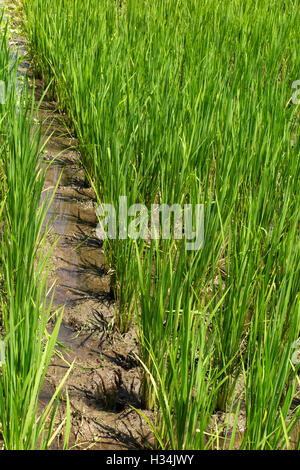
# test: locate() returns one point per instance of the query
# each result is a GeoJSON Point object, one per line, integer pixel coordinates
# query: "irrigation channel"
{"type": "Point", "coordinates": [105, 380]}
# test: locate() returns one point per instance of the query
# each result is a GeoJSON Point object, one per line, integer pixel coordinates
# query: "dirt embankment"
{"type": "Point", "coordinates": [106, 379]}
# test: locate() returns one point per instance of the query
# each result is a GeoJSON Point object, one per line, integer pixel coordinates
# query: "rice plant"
{"type": "Point", "coordinates": [187, 102]}
{"type": "Point", "coordinates": [27, 347]}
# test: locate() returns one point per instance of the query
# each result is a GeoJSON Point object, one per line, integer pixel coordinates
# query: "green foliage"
{"type": "Point", "coordinates": [183, 101]}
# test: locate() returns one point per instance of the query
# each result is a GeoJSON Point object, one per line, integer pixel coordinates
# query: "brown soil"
{"type": "Point", "coordinates": [105, 381]}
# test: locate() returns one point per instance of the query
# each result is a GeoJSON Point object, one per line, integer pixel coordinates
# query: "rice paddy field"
{"type": "Point", "coordinates": [175, 102]}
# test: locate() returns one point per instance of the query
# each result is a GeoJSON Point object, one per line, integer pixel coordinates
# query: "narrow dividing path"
{"type": "Point", "coordinates": [105, 381]}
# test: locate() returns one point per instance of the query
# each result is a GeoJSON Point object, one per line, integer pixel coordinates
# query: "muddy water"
{"type": "Point", "coordinates": [105, 380]}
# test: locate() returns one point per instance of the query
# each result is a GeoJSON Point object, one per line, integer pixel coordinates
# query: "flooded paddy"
{"type": "Point", "coordinates": [105, 380]}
